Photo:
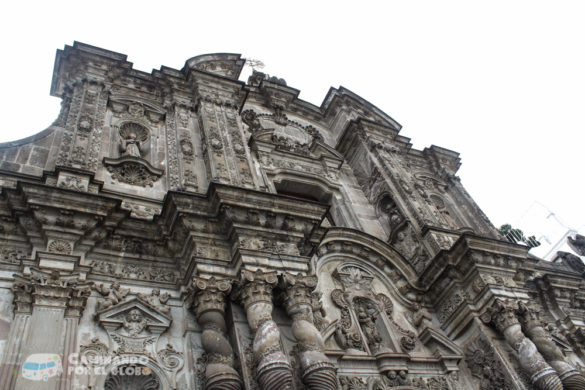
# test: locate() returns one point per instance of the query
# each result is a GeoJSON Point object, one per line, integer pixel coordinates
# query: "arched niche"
{"type": "Point", "coordinates": [369, 295]}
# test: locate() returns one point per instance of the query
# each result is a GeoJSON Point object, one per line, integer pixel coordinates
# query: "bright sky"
{"type": "Point", "coordinates": [501, 82]}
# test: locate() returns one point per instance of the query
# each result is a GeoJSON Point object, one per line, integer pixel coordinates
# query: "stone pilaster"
{"type": "Point", "coordinates": [12, 358]}
{"type": "Point", "coordinates": [209, 306]}
{"type": "Point", "coordinates": [502, 315]}
{"type": "Point", "coordinates": [317, 371]}
{"type": "Point", "coordinates": [571, 378]}
{"type": "Point", "coordinates": [56, 303]}
{"type": "Point", "coordinates": [273, 370]}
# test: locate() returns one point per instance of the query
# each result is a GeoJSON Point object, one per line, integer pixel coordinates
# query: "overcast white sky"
{"type": "Point", "coordinates": [501, 82]}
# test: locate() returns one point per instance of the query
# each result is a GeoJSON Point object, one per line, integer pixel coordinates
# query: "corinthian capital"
{"type": "Point", "coordinates": [209, 294]}
{"type": "Point", "coordinates": [502, 314]}
{"type": "Point", "coordinates": [256, 287]}
{"type": "Point", "coordinates": [298, 295]}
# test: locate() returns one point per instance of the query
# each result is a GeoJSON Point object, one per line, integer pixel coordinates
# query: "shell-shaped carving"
{"type": "Point", "coordinates": [320, 376]}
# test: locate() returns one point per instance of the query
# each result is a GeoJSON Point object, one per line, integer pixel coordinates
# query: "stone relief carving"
{"type": "Point", "coordinates": [60, 246]}
{"type": "Point", "coordinates": [113, 294]}
{"type": "Point", "coordinates": [359, 325]}
{"type": "Point", "coordinates": [133, 172]}
{"type": "Point", "coordinates": [133, 324]}
{"type": "Point", "coordinates": [485, 366]}
{"type": "Point", "coordinates": [12, 256]}
{"type": "Point", "coordinates": [172, 361]}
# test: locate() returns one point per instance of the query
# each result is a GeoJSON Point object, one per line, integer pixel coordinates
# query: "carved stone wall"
{"type": "Point", "coordinates": [203, 232]}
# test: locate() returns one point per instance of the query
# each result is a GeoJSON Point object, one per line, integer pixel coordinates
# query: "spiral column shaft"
{"type": "Point", "coordinates": [571, 378]}
{"type": "Point", "coordinates": [273, 371]}
{"type": "Point", "coordinates": [209, 308]}
{"type": "Point", "coordinates": [318, 373]}
{"type": "Point", "coordinates": [503, 315]}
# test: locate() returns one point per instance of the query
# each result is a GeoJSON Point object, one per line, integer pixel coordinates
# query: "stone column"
{"type": "Point", "coordinates": [317, 371]}
{"type": "Point", "coordinates": [502, 314]}
{"type": "Point", "coordinates": [273, 371]}
{"type": "Point", "coordinates": [209, 308]}
{"type": "Point", "coordinates": [571, 378]}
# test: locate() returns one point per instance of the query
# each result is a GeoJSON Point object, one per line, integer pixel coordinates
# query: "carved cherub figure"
{"type": "Point", "coordinates": [157, 300]}
{"type": "Point", "coordinates": [114, 294]}
{"type": "Point", "coordinates": [134, 323]}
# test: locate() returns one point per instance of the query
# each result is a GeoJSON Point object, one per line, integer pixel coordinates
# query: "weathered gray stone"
{"type": "Point", "coordinates": [215, 234]}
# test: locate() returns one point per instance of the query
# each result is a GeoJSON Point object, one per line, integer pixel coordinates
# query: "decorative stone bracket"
{"type": "Point", "coordinates": [132, 170]}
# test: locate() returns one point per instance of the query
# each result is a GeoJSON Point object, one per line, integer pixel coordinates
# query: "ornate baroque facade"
{"type": "Point", "coordinates": [186, 230]}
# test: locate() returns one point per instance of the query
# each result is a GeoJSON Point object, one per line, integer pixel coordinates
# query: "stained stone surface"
{"type": "Point", "coordinates": [209, 233]}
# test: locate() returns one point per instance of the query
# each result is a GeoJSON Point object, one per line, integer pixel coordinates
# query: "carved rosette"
{"type": "Point", "coordinates": [317, 371]}
{"type": "Point", "coordinates": [273, 370]}
{"type": "Point", "coordinates": [209, 307]}
{"type": "Point", "coordinates": [570, 377]}
{"type": "Point", "coordinates": [503, 315]}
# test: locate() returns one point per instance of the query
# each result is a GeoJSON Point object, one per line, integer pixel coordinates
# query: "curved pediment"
{"type": "Point", "coordinates": [375, 251]}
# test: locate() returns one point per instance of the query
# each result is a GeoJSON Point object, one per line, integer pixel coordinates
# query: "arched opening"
{"type": "Point", "coordinates": [132, 377]}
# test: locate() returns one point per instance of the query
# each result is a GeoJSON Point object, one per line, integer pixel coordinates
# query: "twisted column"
{"type": "Point", "coordinates": [502, 315]}
{"type": "Point", "coordinates": [571, 378]}
{"type": "Point", "coordinates": [273, 370]}
{"type": "Point", "coordinates": [318, 373]}
{"type": "Point", "coordinates": [209, 308]}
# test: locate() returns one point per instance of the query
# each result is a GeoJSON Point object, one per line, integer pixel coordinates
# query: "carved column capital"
{"type": "Point", "coordinates": [209, 294]}
{"type": "Point", "coordinates": [256, 287]}
{"type": "Point", "coordinates": [53, 290]}
{"type": "Point", "coordinates": [502, 314]}
{"type": "Point", "coordinates": [298, 295]}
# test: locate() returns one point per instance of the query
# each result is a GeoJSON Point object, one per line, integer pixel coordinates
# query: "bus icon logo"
{"type": "Point", "coordinates": [42, 366]}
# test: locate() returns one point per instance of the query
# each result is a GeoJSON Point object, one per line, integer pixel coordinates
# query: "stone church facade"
{"type": "Point", "coordinates": [182, 229]}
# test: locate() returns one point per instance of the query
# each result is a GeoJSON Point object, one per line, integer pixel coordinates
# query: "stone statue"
{"type": "Point", "coordinates": [131, 146]}
{"type": "Point", "coordinates": [367, 313]}
{"type": "Point", "coordinates": [577, 244]}
{"type": "Point", "coordinates": [157, 300]}
{"type": "Point", "coordinates": [114, 294]}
